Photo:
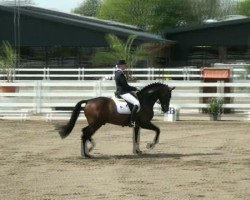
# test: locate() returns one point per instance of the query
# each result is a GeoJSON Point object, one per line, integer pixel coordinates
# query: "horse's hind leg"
{"type": "Point", "coordinates": [85, 137]}
{"type": "Point", "coordinates": [92, 144]}
{"type": "Point", "coordinates": [87, 133]}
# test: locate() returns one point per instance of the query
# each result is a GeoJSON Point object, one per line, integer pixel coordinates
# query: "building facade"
{"type": "Point", "coordinates": [47, 38]}
{"type": "Point", "coordinates": [203, 45]}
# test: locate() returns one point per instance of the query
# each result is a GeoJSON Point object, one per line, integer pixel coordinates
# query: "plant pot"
{"type": "Point", "coordinates": [215, 117]}
{"type": "Point", "coordinates": [7, 98]}
{"type": "Point", "coordinates": [8, 89]}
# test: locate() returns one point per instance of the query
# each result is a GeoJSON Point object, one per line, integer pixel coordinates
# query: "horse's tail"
{"type": "Point", "coordinates": [65, 130]}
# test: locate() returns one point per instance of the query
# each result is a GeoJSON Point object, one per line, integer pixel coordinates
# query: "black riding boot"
{"type": "Point", "coordinates": [132, 117]}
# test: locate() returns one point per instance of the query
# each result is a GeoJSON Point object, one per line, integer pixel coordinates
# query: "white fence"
{"type": "Point", "coordinates": [51, 99]}
{"type": "Point", "coordinates": [183, 73]}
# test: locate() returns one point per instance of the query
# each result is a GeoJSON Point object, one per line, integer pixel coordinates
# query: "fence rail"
{"type": "Point", "coordinates": [48, 98]}
{"type": "Point", "coordinates": [183, 73]}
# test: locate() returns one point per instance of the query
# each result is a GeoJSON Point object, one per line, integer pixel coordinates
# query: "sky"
{"type": "Point", "coordinates": [60, 5]}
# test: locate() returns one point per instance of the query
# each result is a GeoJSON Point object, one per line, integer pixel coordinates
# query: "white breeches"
{"type": "Point", "coordinates": [131, 99]}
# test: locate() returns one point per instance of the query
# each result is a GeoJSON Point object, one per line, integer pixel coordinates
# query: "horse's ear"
{"type": "Point", "coordinates": [171, 88]}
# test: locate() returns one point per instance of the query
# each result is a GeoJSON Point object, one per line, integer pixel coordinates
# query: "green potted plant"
{"type": "Point", "coordinates": [7, 65]}
{"type": "Point", "coordinates": [215, 108]}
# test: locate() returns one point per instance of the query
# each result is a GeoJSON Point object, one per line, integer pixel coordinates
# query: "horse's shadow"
{"type": "Point", "coordinates": [151, 156]}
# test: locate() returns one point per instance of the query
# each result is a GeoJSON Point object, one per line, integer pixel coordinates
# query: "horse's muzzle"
{"type": "Point", "coordinates": [165, 108]}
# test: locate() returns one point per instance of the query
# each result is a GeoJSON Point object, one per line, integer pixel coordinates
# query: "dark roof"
{"type": "Point", "coordinates": [207, 26]}
{"type": "Point", "coordinates": [87, 22]}
{"type": "Point", "coordinates": [80, 17]}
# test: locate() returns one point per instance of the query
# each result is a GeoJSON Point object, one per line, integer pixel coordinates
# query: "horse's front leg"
{"type": "Point", "coordinates": [136, 140]}
{"type": "Point", "coordinates": [151, 126]}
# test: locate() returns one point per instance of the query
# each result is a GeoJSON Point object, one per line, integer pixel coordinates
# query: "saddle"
{"type": "Point", "coordinates": [123, 107]}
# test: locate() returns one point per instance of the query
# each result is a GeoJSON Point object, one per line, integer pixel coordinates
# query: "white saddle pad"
{"type": "Point", "coordinates": [122, 106]}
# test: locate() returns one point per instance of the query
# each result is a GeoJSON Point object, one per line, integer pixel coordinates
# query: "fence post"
{"type": "Point", "coordinates": [83, 73]}
{"type": "Point", "coordinates": [152, 73]}
{"type": "Point", "coordinates": [184, 73]}
{"type": "Point", "coordinates": [38, 96]}
{"type": "Point", "coordinates": [220, 88]}
{"type": "Point", "coordinates": [79, 73]}
{"type": "Point", "coordinates": [114, 69]}
{"type": "Point", "coordinates": [14, 74]}
{"type": "Point", "coordinates": [48, 73]}
{"type": "Point", "coordinates": [188, 74]}
{"type": "Point", "coordinates": [98, 88]}
{"type": "Point", "coordinates": [44, 73]}
{"type": "Point", "coordinates": [149, 73]}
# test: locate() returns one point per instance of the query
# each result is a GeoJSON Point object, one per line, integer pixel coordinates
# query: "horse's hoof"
{"type": "Point", "coordinates": [150, 146]}
{"type": "Point", "coordinates": [87, 156]}
{"type": "Point", "coordinates": [92, 146]}
{"type": "Point", "coordinates": [138, 152]}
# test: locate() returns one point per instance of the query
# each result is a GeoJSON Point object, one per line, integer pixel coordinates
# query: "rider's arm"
{"type": "Point", "coordinates": [125, 84]}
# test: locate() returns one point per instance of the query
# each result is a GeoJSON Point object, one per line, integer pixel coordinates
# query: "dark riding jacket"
{"type": "Point", "coordinates": [122, 86]}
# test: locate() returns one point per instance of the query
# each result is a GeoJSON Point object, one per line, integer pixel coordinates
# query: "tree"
{"type": "Point", "coordinates": [170, 13]}
{"type": "Point", "coordinates": [204, 9]}
{"type": "Point", "coordinates": [209, 9]}
{"type": "Point", "coordinates": [120, 49]}
{"type": "Point", "coordinates": [151, 15]}
{"type": "Point", "coordinates": [243, 8]}
{"type": "Point", "coordinates": [88, 8]}
{"type": "Point", "coordinates": [157, 15]}
{"type": "Point", "coordinates": [134, 12]}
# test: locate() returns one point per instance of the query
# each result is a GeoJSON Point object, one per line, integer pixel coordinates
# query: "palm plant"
{"type": "Point", "coordinates": [7, 61]}
{"type": "Point", "coordinates": [122, 50]}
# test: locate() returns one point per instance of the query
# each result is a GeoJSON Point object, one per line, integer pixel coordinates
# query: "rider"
{"type": "Point", "coordinates": [124, 90]}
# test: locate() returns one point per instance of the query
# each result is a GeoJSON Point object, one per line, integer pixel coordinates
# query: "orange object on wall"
{"type": "Point", "coordinates": [218, 74]}
{"type": "Point", "coordinates": [210, 75]}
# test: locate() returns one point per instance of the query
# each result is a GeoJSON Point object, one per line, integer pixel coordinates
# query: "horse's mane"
{"type": "Point", "coordinates": [150, 86]}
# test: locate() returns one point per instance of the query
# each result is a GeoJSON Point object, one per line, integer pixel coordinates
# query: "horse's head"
{"type": "Point", "coordinates": [156, 91]}
{"type": "Point", "coordinates": [164, 97]}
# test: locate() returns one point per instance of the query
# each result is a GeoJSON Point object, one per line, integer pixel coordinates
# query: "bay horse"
{"type": "Point", "coordinates": [102, 110]}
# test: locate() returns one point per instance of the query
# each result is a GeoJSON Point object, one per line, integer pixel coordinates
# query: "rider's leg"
{"type": "Point", "coordinates": [132, 117]}
{"type": "Point", "coordinates": [131, 99]}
